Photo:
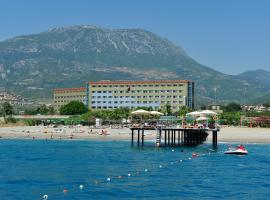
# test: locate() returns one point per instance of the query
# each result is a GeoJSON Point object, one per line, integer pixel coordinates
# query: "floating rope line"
{"type": "Point", "coordinates": [130, 174]}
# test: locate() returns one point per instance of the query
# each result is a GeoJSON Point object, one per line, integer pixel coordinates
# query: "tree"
{"type": "Point", "coordinates": [7, 109]}
{"type": "Point", "coordinates": [232, 107]}
{"type": "Point", "coordinates": [42, 109]}
{"type": "Point", "coordinates": [183, 110]}
{"type": "Point", "coordinates": [73, 108]}
{"type": "Point", "coordinates": [168, 108]}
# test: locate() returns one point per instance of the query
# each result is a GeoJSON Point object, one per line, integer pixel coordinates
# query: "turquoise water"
{"type": "Point", "coordinates": [31, 168]}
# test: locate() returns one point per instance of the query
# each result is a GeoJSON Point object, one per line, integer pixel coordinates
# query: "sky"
{"type": "Point", "coordinates": [231, 36]}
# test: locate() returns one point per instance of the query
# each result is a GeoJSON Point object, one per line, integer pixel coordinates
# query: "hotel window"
{"type": "Point", "coordinates": [105, 86]}
{"type": "Point", "coordinates": [109, 102]}
{"type": "Point", "coordinates": [168, 102]}
{"type": "Point", "coordinates": [180, 102]}
{"type": "Point", "coordinates": [109, 97]}
{"type": "Point", "coordinates": [104, 101]}
{"type": "Point", "coordinates": [133, 91]}
{"type": "Point", "coordinates": [138, 96]}
{"type": "Point", "coordinates": [132, 101]}
{"type": "Point", "coordinates": [174, 96]}
{"type": "Point", "coordinates": [99, 85]}
{"type": "Point", "coordinates": [169, 96]}
{"type": "Point", "coordinates": [127, 101]}
{"type": "Point", "coordinates": [174, 101]}
{"type": "Point", "coordinates": [104, 91]}
{"type": "Point", "coordinates": [93, 86]}
{"type": "Point", "coordinates": [156, 101]}
{"type": "Point", "coordinates": [115, 97]}
{"type": "Point", "coordinates": [156, 96]}
{"type": "Point", "coordinates": [144, 97]}
{"type": "Point", "coordinates": [93, 107]}
{"type": "Point", "coordinates": [145, 91]}
{"type": "Point", "coordinates": [138, 102]}
{"type": "Point", "coordinates": [99, 107]}
{"type": "Point", "coordinates": [99, 102]}
{"type": "Point", "coordinates": [121, 91]}
{"type": "Point", "coordinates": [162, 96]}
{"type": "Point", "coordinates": [104, 97]}
{"type": "Point", "coordinates": [93, 102]}
{"type": "Point", "coordinates": [121, 101]}
{"type": "Point", "coordinates": [169, 91]}
{"type": "Point", "coordinates": [93, 92]}
{"type": "Point", "coordinates": [162, 101]}
{"type": "Point", "coordinates": [144, 101]}
{"type": "Point", "coordinates": [98, 91]}
{"type": "Point", "coordinates": [98, 97]}
{"type": "Point", "coordinates": [115, 102]}
{"type": "Point", "coordinates": [110, 107]}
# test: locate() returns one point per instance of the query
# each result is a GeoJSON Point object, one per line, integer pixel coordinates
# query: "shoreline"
{"type": "Point", "coordinates": [226, 135]}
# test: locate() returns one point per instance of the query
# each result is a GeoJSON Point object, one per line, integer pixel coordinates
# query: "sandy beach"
{"type": "Point", "coordinates": [227, 134]}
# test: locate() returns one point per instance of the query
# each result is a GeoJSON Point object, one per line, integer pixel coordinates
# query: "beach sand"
{"type": "Point", "coordinates": [227, 134]}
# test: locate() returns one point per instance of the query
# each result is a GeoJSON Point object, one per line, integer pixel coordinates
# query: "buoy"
{"type": "Point", "coordinates": [119, 177]}
{"type": "Point", "coordinates": [181, 160]}
{"type": "Point", "coordinates": [160, 166]}
{"type": "Point", "coordinates": [96, 182]}
{"type": "Point", "coordinates": [45, 197]}
{"type": "Point", "coordinates": [194, 155]}
{"type": "Point", "coordinates": [108, 179]}
{"type": "Point", "coordinates": [146, 170]}
{"type": "Point", "coordinates": [81, 187]}
{"type": "Point", "coordinates": [171, 163]}
{"type": "Point", "coordinates": [172, 150]}
{"type": "Point", "coordinates": [189, 158]}
{"type": "Point", "coordinates": [129, 174]}
{"type": "Point", "coordinates": [65, 190]}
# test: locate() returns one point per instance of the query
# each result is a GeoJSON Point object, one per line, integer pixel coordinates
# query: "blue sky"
{"type": "Point", "coordinates": [231, 36]}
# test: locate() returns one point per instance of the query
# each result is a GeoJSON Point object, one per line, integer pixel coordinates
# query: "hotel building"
{"type": "Point", "coordinates": [133, 94]}
{"type": "Point", "coordinates": [65, 95]}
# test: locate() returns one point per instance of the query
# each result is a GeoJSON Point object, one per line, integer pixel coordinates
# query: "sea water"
{"type": "Point", "coordinates": [30, 169]}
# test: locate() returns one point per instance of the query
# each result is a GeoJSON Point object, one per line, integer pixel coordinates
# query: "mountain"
{"type": "Point", "coordinates": [32, 65]}
{"type": "Point", "coordinates": [259, 76]}
{"type": "Point", "coordinates": [262, 99]}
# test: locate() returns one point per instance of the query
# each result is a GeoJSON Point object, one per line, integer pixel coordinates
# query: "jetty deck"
{"type": "Point", "coordinates": [174, 136]}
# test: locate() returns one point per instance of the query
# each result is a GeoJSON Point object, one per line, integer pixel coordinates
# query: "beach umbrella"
{"type": "Point", "coordinates": [156, 113]}
{"type": "Point", "coordinates": [208, 112]}
{"type": "Point", "coordinates": [194, 113]}
{"type": "Point", "coordinates": [140, 112]}
{"type": "Point", "coordinates": [201, 118]}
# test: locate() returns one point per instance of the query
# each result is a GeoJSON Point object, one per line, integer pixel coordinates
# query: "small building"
{"type": "Point", "coordinates": [65, 95]}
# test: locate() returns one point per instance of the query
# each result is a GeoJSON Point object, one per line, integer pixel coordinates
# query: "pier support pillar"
{"type": "Point", "coordinates": [132, 137]}
{"type": "Point", "coordinates": [214, 139]}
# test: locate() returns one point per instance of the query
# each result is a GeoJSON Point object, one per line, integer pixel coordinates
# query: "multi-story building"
{"type": "Point", "coordinates": [133, 94]}
{"type": "Point", "coordinates": [65, 95]}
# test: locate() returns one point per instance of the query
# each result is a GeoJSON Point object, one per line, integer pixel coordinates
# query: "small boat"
{"type": "Point", "coordinates": [239, 150]}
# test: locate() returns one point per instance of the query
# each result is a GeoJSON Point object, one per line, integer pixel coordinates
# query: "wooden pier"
{"type": "Point", "coordinates": [174, 136]}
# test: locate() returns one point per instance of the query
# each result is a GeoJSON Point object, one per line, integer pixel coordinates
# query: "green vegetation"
{"type": "Point", "coordinates": [7, 111]}
{"type": "Point", "coordinates": [73, 108]}
{"type": "Point", "coordinates": [42, 110]}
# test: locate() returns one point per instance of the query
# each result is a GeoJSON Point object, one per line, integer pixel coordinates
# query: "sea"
{"type": "Point", "coordinates": [65, 169]}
